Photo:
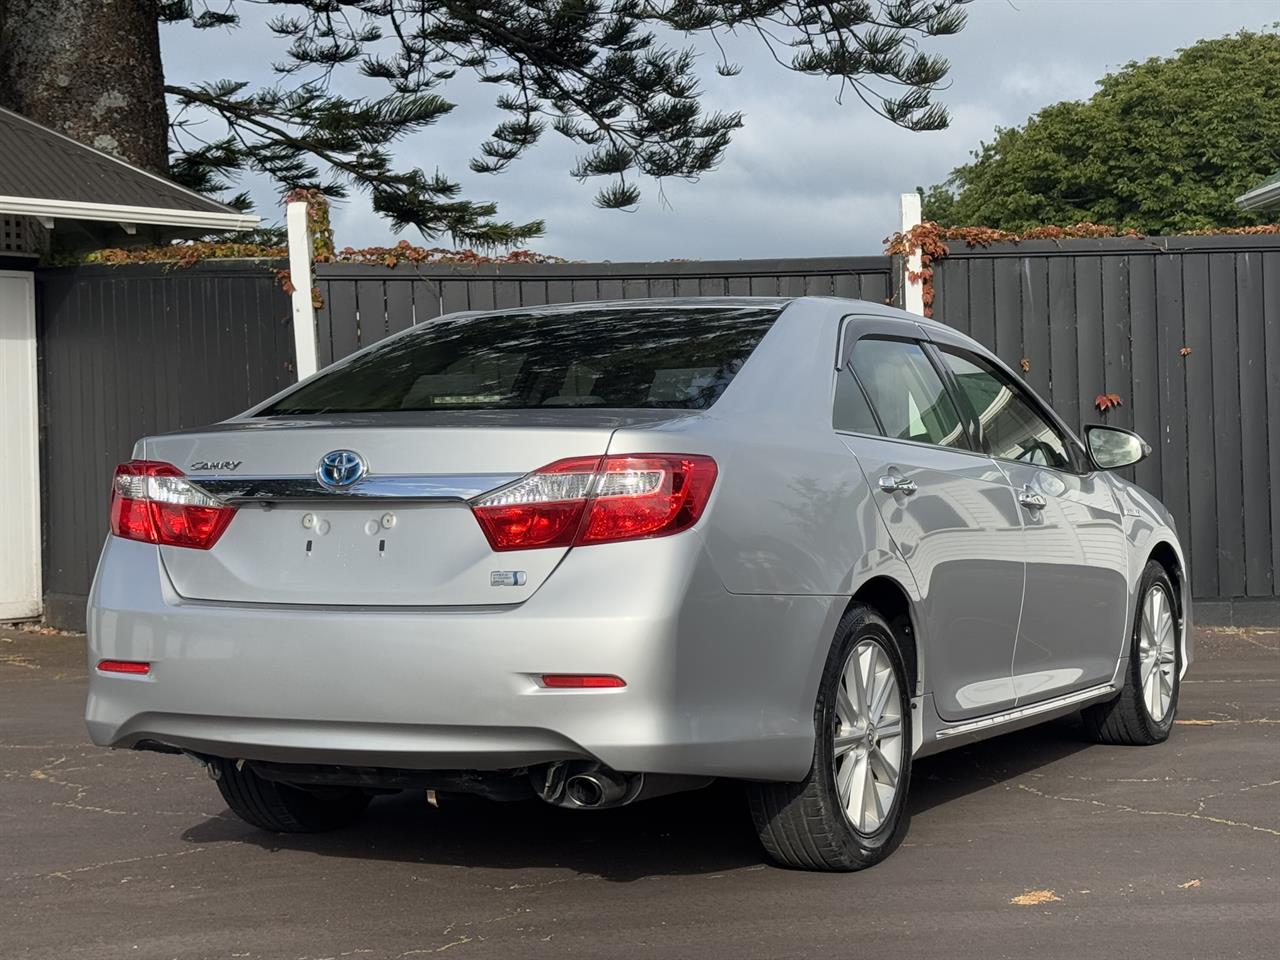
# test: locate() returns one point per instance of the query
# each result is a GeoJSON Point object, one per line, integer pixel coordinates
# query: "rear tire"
{"type": "Point", "coordinates": [283, 808]}
{"type": "Point", "coordinates": [849, 812]}
{"type": "Point", "coordinates": [1143, 712]}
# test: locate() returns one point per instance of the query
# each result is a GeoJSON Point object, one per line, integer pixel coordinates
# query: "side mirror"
{"type": "Point", "coordinates": [1111, 448]}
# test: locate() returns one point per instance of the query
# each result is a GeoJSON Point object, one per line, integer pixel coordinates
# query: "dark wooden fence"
{"type": "Point", "coordinates": [130, 351]}
{"type": "Point", "coordinates": [1186, 331]}
{"type": "Point", "coordinates": [362, 304]}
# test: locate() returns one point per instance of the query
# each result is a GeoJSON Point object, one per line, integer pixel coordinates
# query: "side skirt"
{"type": "Point", "coordinates": [945, 736]}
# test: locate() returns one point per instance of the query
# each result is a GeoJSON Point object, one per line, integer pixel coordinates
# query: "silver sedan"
{"type": "Point", "coordinates": [601, 552]}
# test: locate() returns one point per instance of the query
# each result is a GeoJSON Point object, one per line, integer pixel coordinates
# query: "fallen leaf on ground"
{"type": "Point", "coordinates": [1035, 897]}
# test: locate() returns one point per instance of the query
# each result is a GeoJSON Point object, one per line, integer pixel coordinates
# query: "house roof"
{"type": "Point", "coordinates": [47, 175]}
{"type": "Point", "coordinates": [1264, 196]}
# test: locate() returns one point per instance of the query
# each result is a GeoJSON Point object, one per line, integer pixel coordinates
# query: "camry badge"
{"type": "Point", "coordinates": [215, 464]}
{"type": "Point", "coordinates": [341, 468]}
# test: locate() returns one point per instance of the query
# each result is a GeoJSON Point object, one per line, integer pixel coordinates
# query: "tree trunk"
{"type": "Point", "coordinates": [89, 69]}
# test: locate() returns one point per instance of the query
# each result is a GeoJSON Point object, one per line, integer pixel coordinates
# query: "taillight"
{"type": "Point", "coordinates": [588, 500]}
{"type": "Point", "coordinates": [152, 501]}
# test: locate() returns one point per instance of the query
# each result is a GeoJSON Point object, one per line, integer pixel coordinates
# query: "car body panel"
{"type": "Point", "coordinates": [1074, 548]}
{"type": "Point", "coordinates": [720, 631]}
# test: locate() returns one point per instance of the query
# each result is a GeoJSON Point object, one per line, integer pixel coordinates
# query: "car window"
{"type": "Point", "coordinates": [907, 393]}
{"type": "Point", "coordinates": [1011, 426]}
{"type": "Point", "coordinates": [851, 411]}
{"type": "Point", "coordinates": [624, 356]}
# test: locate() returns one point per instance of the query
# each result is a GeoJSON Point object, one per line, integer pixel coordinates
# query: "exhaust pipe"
{"type": "Point", "coordinates": [584, 785]}
{"type": "Point", "coordinates": [595, 788]}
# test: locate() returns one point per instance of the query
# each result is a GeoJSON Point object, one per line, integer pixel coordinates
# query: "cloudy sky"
{"type": "Point", "coordinates": [806, 176]}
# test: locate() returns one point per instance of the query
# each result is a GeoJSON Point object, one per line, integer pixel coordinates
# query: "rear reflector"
{"type": "Point", "coordinates": [588, 500]}
{"type": "Point", "coordinates": [135, 667]}
{"type": "Point", "coordinates": [581, 681]}
{"type": "Point", "coordinates": [154, 502]}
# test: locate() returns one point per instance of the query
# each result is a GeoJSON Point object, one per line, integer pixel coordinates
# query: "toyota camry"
{"type": "Point", "coordinates": [601, 552]}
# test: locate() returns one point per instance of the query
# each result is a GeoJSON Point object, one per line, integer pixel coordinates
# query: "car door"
{"type": "Point", "coordinates": [1074, 610]}
{"type": "Point", "coordinates": [950, 511]}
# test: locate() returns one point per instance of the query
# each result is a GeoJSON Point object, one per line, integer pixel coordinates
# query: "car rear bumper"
{"type": "Point", "coordinates": [717, 684]}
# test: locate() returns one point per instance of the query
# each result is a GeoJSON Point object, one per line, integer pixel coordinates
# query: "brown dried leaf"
{"type": "Point", "coordinates": [1033, 898]}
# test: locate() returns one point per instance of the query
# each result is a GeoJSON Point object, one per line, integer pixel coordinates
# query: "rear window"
{"type": "Point", "coordinates": [628, 357]}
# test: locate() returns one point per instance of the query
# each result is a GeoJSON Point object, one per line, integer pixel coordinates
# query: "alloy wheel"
{"type": "Point", "coordinates": [868, 736]}
{"type": "Point", "coordinates": [1157, 653]}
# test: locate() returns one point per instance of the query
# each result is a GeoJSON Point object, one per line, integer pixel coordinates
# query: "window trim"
{"type": "Point", "coordinates": [926, 346]}
{"type": "Point", "coordinates": [1067, 438]}
{"type": "Point", "coordinates": [866, 398]}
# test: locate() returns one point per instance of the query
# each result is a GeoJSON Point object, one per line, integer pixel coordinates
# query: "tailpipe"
{"type": "Point", "coordinates": [600, 787]}
{"type": "Point", "coordinates": [583, 785]}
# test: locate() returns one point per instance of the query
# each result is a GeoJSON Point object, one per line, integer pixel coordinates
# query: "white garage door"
{"type": "Point", "coordinates": [20, 491]}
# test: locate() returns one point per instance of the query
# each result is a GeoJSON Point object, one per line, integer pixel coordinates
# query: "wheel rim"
{"type": "Point", "coordinates": [1157, 652]}
{"type": "Point", "coordinates": [867, 738]}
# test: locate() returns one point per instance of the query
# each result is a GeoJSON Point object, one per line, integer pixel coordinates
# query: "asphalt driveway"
{"type": "Point", "coordinates": [1035, 844]}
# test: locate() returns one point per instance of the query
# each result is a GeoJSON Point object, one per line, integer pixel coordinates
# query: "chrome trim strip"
{"type": "Point", "coordinates": [1031, 710]}
{"type": "Point", "coordinates": [440, 486]}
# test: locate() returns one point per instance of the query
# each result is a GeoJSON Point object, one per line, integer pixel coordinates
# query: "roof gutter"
{"type": "Point", "coordinates": [121, 213]}
{"type": "Point", "coordinates": [1261, 197]}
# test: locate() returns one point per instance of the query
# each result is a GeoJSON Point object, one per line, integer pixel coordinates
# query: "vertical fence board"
{"type": "Point", "coordinates": [1116, 362]}
{"type": "Point", "coordinates": [561, 291]}
{"type": "Point", "coordinates": [953, 307]}
{"type": "Point", "coordinates": [982, 307]}
{"type": "Point", "coordinates": [533, 293]}
{"type": "Point", "coordinates": [1225, 401]}
{"type": "Point", "coordinates": [344, 320]}
{"type": "Point", "coordinates": [399, 305]}
{"type": "Point", "coordinates": [1271, 335]}
{"type": "Point", "coordinates": [1007, 311]}
{"type": "Point", "coordinates": [506, 294]}
{"type": "Point", "coordinates": [873, 287]}
{"type": "Point", "coordinates": [455, 295]}
{"type": "Point", "coordinates": [324, 325]}
{"type": "Point", "coordinates": [1144, 372]}
{"type": "Point", "coordinates": [1034, 280]}
{"type": "Point", "coordinates": [1252, 361]}
{"type": "Point", "coordinates": [371, 311]}
{"type": "Point", "coordinates": [1172, 369]}
{"type": "Point", "coordinates": [1089, 336]}
{"type": "Point", "coordinates": [1200, 424]}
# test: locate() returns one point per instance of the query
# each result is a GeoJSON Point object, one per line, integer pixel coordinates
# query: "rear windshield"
{"type": "Point", "coordinates": [628, 357]}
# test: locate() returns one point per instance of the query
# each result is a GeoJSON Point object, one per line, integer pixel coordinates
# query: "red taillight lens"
{"type": "Point", "coordinates": [598, 500]}
{"type": "Point", "coordinates": [648, 497]}
{"type": "Point", "coordinates": [137, 668]}
{"type": "Point", "coordinates": [152, 501]}
{"type": "Point", "coordinates": [582, 681]}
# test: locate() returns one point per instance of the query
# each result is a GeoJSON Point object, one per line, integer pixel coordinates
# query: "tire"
{"type": "Point", "coordinates": [282, 808]}
{"type": "Point", "coordinates": [1130, 719]}
{"type": "Point", "coordinates": [807, 825]}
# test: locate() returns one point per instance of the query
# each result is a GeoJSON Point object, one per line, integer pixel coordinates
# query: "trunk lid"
{"type": "Point", "coordinates": [404, 535]}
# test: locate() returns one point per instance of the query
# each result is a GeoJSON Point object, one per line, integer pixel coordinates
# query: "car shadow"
{"type": "Point", "coordinates": [703, 832]}
{"type": "Point", "coordinates": [944, 777]}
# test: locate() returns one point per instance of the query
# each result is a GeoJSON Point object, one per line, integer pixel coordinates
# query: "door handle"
{"type": "Point", "coordinates": [1031, 500]}
{"type": "Point", "coordinates": [891, 484]}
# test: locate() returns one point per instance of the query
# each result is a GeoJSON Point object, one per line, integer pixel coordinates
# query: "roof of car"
{"type": "Point", "coordinates": [691, 303]}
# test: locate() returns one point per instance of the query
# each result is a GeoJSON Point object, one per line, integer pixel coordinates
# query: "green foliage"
{"type": "Point", "coordinates": [596, 72]}
{"type": "Point", "coordinates": [1164, 146]}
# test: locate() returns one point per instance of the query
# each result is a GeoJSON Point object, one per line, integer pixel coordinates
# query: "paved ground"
{"type": "Point", "coordinates": [1165, 852]}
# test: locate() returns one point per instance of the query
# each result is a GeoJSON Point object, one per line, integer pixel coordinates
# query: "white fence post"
{"type": "Point", "coordinates": [304, 314]}
{"type": "Point", "coordinates": [912, 290]}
